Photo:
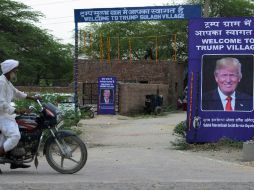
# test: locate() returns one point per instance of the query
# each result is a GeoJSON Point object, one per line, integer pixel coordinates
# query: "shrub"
{"type": "Point", "coordinates": [180, 129]}
{"type": "Point", "coordinates": [181, 144]}
{"type": "Point", "coordinates": [229, 143]}
{"type": "Point", "coordinates": [224, 143]}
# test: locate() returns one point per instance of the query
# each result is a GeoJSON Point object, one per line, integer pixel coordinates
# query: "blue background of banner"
{"type": "Point", "coordinates": [227, 123]}
{"type": "Point", "coordinates": [137, 13]}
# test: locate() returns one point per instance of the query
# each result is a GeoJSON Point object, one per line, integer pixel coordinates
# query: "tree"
{"type": "Point", "coordinates": [137, 37]}
{"type": "Point", "coordinates": [40, 54]}
{"type": "Point", "coordinates": [227, 8]}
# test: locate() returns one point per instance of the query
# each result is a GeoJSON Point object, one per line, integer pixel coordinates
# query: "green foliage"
{"type": "Point", "coordinates": [70, 117]}
{"type": "Point", "coordinates": [54, 98]}
{"type": "Point", "coordinates": [20, 104]}
{"type": "Point", "coordinates": [226, 142]}
{"type": "Point", "coordinates": [70, 121]}
{"type": "Point", "coordinates": [84, 114]}
{"type": "Point", "coordinates": [231, 8]}
{"type": "Point", "coordinates": [223, 143]}
{"type": "Point", "coordinates": [181, 144]}
{"type": "Point", "coordinates": [38, 52]}
{"type": "Point", "coordinates": [143, 35]}
{"type": "Point", "coordinates": [136, 37]}
{"type": "Point", "coordinates": [18, 11]}
{"type": "Point", "coordinates": [169, 108]}
{"type": "Point", "coordinates": [227, 8]}
{"type": "Point", "coordinates": [180, 129]}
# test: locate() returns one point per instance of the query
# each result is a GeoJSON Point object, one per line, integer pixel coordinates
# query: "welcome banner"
{"type": "Point", "coordinates": [220, 79]}
{"type": "Point", "coordinates": [138, 13]}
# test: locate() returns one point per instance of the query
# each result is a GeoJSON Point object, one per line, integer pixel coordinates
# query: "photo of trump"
{"type": "Point", "coordinates": [227, 83]}
{"type": "Point", "coordinates": [107, 96]}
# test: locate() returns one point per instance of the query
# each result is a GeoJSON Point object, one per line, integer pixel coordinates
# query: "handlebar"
{"type": "Point", "coordinates": [31, 108]}
{"type": "Point", "coordinates": [39, 102]}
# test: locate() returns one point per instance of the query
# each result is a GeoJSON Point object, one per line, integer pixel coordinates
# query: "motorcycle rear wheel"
{"type": "Point", "coordinates": [74, 160]}
{"type": "Point", "coordinates": [91, 114]}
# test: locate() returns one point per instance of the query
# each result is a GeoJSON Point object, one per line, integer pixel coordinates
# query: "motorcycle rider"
{"type": "Point", "coordinates": [10, 134]}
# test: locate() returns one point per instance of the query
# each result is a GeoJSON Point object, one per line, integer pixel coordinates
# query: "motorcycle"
{"type": "Point", "coordinates": [87, 110]}
{"type": "Point", "coordinates": [65, 152]}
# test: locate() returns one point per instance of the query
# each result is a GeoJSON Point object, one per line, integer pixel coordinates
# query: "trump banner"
{"type": "Point", "coordinates": [137, 13]}
{"type": "Point", "coordinates": [220, 79]}
{"type": "Point", "coordinates": [106, 90]}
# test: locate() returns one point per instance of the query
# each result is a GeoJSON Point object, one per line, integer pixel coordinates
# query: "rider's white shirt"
{"type": "Point", "coordinates": [8, 93]}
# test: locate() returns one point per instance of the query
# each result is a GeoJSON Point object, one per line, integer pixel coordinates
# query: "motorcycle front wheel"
{"type": "Point", "coordinates": [68, 156]}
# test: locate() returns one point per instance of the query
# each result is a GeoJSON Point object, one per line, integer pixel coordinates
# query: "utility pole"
{"type": "Point", "coordinates": [206, 8]}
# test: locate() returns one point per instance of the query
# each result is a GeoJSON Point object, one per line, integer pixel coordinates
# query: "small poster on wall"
{"type": "Point", "coordinates": [106, 90]}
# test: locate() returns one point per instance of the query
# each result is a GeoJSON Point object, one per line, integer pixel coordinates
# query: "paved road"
{"type": "Point", "coordinates": [132, 153]}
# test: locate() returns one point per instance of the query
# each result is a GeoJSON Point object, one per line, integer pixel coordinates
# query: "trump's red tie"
{"type": "Point", "coordinates": [228, 105]}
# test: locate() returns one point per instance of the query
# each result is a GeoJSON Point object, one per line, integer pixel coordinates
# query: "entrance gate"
{"type": "Point", "coordinates": [129, 14]}
{"type": "Point", "coordinates": [90, 95]}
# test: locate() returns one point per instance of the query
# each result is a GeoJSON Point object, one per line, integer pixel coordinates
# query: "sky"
{"type": "Point", "coordinates": [59, 14]}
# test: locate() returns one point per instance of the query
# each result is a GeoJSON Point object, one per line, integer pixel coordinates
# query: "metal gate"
{"type": "Point", "coordinates": [90, 95]}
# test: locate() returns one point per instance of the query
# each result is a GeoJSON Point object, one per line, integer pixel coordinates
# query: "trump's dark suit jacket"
{"type": "Point", "coordinates": [103, 101]}
{"type": "Point", "coordinates": [211, 101]}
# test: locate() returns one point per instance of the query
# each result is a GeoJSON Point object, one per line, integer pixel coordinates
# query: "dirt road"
{"type": "Point", "coordinates": [134, 153]}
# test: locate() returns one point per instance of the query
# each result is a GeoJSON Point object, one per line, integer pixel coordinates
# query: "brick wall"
{"type": "Point", "coordinates": [156, 73]}
{"type": "Point", "coordinates": [163, 72]}
{"type": "Point", "coordinates": [132, 96]}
